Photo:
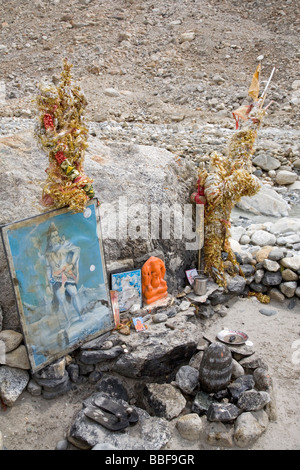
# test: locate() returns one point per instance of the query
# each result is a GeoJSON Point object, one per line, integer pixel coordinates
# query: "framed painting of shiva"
{"type": "Point", "coordinates": [56, 262]}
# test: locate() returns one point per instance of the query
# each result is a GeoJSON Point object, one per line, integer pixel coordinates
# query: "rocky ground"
{"type": "Point", "coordinates": [167, 74]}
{"type": "Point", "coordinates": [163, 62]}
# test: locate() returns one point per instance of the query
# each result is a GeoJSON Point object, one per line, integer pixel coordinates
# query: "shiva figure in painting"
{"type": "Point", "coordinates": [62, 260]}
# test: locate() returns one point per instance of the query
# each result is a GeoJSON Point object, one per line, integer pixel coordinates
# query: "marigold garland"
{"type": "Point", "coordinates": [62, 133]}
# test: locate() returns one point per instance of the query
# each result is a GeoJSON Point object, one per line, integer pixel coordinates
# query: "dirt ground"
{"type": "Point", "coordinates": [34, 423]}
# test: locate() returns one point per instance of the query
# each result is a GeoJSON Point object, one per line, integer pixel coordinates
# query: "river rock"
{"type": "Point", "coordinates": [288, 288]}
{"type": "Point", "coordinates": [292, 262]}
{"type": "Point", "coordinates": [202, 402]}
{"type": "Point", "coordinates": [163, 400]}
{"type": "Point", "coordinates": [215, 368]}
{"type": "Point", "coordinates": [96, 356]}
{"type": "Point", "coordinates": [224, 412]}
{"type": "Point", "coordinates": [266, 162]}
{"type": "Point", "coordinates": [263, 238]}
{"type": "Point", "coordinates": [253, 400]}
{"type": "Point", "coordinates": [270, 265]}
{"type": "Point", "coordinates": [265, 202]}
{"type": "Point", "coordinates": [285, 225]}
{"type": "Point", "coordinates": [11, 339]}
{"type": "Point", "coordinates": [240, 385]}
{"type": "Point", "coordinates": [113, 387]}
{"type": "Point", "coordinates": [272, 279]}
{"type": "Point", "coordinates": [263, 379]}
{"type": "Point", "coordinates": [253, 362]}
{"type": "Point", "coordinates": [219, 434]}
{"type": "Point", "coordinates": [248, 428]}
{"type": "Point", "coordinates": [17, 358]}
{"type": "Point", "coordinates": [275, 294]}
{"type": "Point", "coordinates": [267, 311]}
{"type": "Point", "coordinates": [168, 347]}
{"type": "Point", "coordinates": [187, 378]}
{"type": "Point", "coordinates": [190, 426]}
{"type": "Point", "coordinates": [285, 177]}
{"type": "Point", "coordinates": [12, 383]}
{"type": "Point", "coordinates": [276, 254]}
{"type": "Point", "coordinates": [263, 253]}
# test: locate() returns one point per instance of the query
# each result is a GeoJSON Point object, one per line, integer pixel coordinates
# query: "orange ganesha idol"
{"type": "Point", "coordinates": [154, 287]}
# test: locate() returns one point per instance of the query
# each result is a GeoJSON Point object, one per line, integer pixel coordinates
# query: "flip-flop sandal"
{"type": "Point", "coordinates": [117, 409]}
{"type": "Point", "coordinates": [108, 420]}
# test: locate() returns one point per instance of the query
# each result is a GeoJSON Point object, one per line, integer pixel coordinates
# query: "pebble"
{"type": "Point", "coordinates": [159, 317]}
{"type": "Point", "coordinates": [268, 311]}
{"type": "Point", "coordinates": [190, 426]}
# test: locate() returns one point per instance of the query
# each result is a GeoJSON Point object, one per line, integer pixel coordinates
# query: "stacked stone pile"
{"type": "Point", "coordinates": [160, 373]}
{"type": "Point", "coordinates": [269, 254]}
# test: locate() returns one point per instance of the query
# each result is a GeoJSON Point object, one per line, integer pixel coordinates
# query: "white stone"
{"type": "Point", "coordinates": [263, 238]}
{"type": "Point", "coordinates": [188, 36]}
{"type": "Point", "coordinates": [247, 430]}
{"type": "Point", "coordinates": [271, 266]}
{"type": "Point", "coordinates": [265, 202]}
{"type": "Point", "coordinates": [285, 177]}
{"type": "Point", "coordinates": [292, 262]}
{"type": "Point", "coordinates": [111, 92]}
{"type": "Point", "coordinates": [286, 224]}
{"type": "Point", "coordinates": [190, 426]}
{"type": "Point", "coordinates": [237, 232]}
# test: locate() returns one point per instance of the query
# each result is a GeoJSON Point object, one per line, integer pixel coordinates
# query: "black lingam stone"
{"type": "Point", "coordinates": [215, 368]}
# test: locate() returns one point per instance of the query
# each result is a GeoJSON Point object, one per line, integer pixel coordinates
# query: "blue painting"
{"type": "Point", "coordinates": [129, 287]}
{"type": "Point", "coordinates": [58, 270]}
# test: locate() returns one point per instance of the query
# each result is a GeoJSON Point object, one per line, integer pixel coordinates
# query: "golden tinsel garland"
{"type": "Point", "coordinates": [227, 182]}
{"type": "Point", "coordinates": [62, 133]}
{"type": "Point", "coordinates": [264, 299]}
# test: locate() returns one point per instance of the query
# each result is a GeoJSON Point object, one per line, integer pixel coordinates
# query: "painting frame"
{"type": "Point", "coordinates": [127, 284]}
{"type": "Point", "coordinates": [58, 271]}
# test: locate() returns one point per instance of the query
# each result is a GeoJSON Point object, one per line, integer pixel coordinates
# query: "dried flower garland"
{"type": "Point", "coordinates": [229, 179]}
{"type": "Point", "coordinates": [62, 133]}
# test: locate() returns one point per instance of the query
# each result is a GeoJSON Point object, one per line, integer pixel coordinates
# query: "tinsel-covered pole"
{"type": "Point", "coordinates": [62, 134]}
{"type": "Point", "coordinates": [229, 179]}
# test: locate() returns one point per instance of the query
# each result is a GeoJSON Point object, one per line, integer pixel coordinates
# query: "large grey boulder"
{"type": "Point", "coordinates": [265, 202]}
{"type": "Point", "coordinates": [134, 184]}
{"type": "Point", "coordinates": [160, 351]}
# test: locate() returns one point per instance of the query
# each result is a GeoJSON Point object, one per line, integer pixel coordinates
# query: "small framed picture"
{"type": "Point", "coordinates": [115, 306]}
{"type": "Point", "coordinates": [191, 274]}
{"type": "Point", "coordinates": [139, 324]}
{"type": "Point", "coordinates": [129, 288]}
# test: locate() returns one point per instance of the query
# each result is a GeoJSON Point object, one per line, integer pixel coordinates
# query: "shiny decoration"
{"type": "Point", "coordinates": [228, 180]}
{"type": "Point", "coordinates": [62, 133]}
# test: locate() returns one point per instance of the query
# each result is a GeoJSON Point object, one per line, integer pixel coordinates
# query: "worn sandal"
{"type": "Point", "coordinates": [108, 420]}
{"type": "Point", "coordinates": [117, 409]}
